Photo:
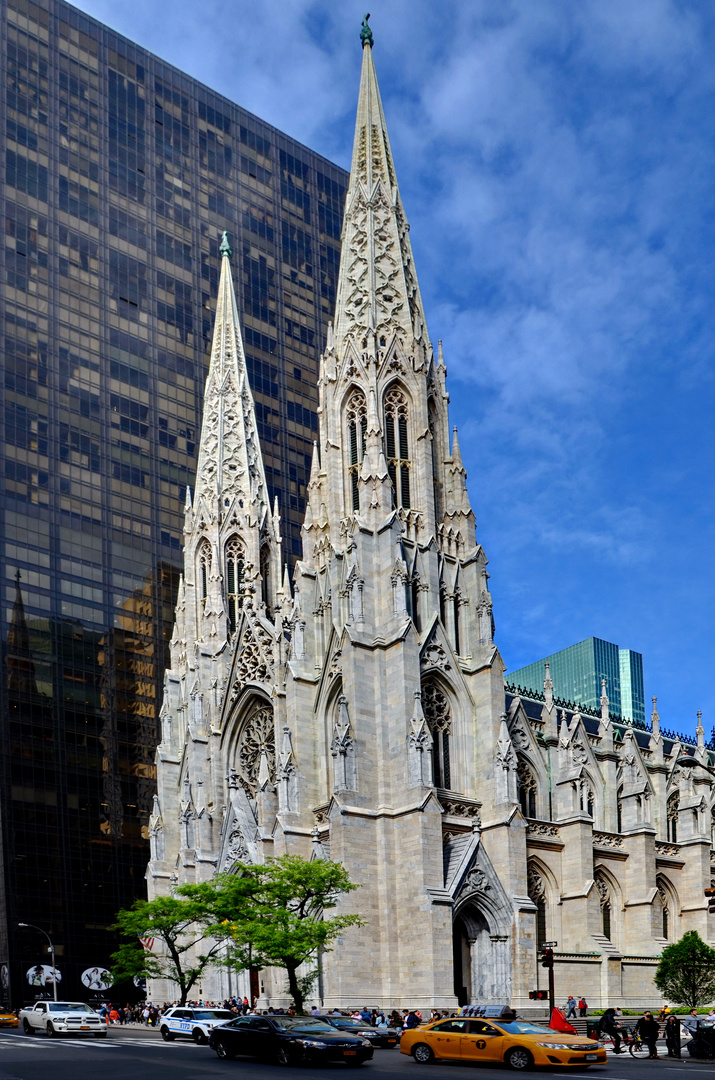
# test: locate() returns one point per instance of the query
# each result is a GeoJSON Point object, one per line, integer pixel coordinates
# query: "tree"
{"type": "Point", "coordinates": [172, 928]}
{"type": "Point", "coordinates": [686, 972]}
{"type": "Point", "coordinates": [273, 915]}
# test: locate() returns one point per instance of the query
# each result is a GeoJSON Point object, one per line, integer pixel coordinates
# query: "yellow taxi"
{"type": "Point", "coordinates": [518, 1043]}
{"type": "Point", "coordinates": [8, 1019]}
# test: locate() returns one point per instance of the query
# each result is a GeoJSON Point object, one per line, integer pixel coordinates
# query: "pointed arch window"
{"type": "Point", "coordinates": [605, 895]}
{"type": "Point", "coordinates": [537, 894]}
{"type": "Point", "coordinates": [397, 450]}
{"type": "Point", "coordinates": [235, 569]}
{"type": "Point", "coordinates": [672, 808]}
{"type": "Point", "coordinates": [527, 789]}
{"type": "Point", "coordinates": [204, 569]}
{"type": "Point", "coordinates": [356, 417]}
{"type": "Point", "coordinates": [265, 576]}
{"type": "Point", "coordinates": [439, 719]}
{"type": "Point", "coordinates": [664, 909]}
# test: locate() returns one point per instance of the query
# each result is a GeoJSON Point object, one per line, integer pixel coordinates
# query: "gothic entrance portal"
{"type": "Point", "coordinates": [482, 968]}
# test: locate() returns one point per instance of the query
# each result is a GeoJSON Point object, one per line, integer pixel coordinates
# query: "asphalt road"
{"type": "Point", "coordinates": [134, 1055]}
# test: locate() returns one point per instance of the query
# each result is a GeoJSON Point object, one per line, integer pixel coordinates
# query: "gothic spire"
{"type": "Point", "coordinates": [377, 286]}
{"type": "Point", "coordinates": [230, 461]}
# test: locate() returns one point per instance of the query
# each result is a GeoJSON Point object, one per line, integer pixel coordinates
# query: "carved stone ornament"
{"type": "Point", "coordinates": [436, 708]}
{"type": "Point", "coordinates": [672, 850]}
{"type": "Point", "coordinates": [335, 665]}
{"type": "Point", "coordinates": [537, 828]}
{"type": "Point", "coordinates": [455, 807]}
{"type": "Point", "coordinates": [475, 881]}
{"type": "Point", "coordinates": [255, 659]}
{"type": "Point", "coordinates": [434, 656]}
{"type": "Point", "coordinates": [256, 745]}
{"type": "Point", "coordinates": [236, 848]}
{"type": "Point", "coordinates": [603, 890]}
{"type": "Point", "coordinates": [519, 738]}
{"type": "Point", "coordinates": [611, 840]}
{"type": "Point", "coordinates": [535, 884]}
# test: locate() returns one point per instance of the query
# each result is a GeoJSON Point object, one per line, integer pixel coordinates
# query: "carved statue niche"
{"type": "Point", "coordinates": [343, 750]}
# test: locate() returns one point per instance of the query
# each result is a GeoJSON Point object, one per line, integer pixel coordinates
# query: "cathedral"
{"type": "Point", "coordinates": [358, 710]}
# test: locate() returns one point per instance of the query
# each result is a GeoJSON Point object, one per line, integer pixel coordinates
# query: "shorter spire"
{"type": "Point", "coordinates": [456, 452]}
{"type": "Point", "coordinates": [441, 366]}
{"type": "Point", "coordinates": [604, 702]}
{"type": "Point", "coordinates": [548, 685]}
{"type": "Point", "coordinates": [700, 731]}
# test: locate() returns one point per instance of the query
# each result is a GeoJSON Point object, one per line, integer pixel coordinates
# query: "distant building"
{"type": "Point", "coordinates": [577, 673]}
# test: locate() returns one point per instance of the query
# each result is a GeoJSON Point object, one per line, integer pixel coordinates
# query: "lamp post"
{"type": "Point", "coordinates": [52, 953]}
{"type": "Point", "coordinates": [686, 761]}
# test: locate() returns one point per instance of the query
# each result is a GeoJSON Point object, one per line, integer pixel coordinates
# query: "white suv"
{"type": "Point", "coordinates": [194, 1021]}
{"type": "Point", "coordinates": [62, 1018]}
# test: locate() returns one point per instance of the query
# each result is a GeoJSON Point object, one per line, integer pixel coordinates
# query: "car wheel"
{"type": "Point", "coordinates": [199, 1037]}
{"type": "Point", "coordinates": [167, 1036]}
{"type": "Point", "coordinates": [519, 1058]}
{"type": "Point", "coordinates": [27, 1027]}
{"type": "Point", "coordinates": [223, 1052]}
{"type": "Point", "coordinates": [51, 1032]}
{"type": "Point", "coordinates": [422, 1053]}
{"type": "Point", "coordinates": [284, 1056]}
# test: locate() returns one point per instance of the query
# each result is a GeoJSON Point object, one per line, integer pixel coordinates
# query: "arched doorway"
{"type": "Point", "coordinates": [482, 968]}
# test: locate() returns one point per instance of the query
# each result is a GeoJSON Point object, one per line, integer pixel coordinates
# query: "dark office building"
{"type": "Point", "coordinates": [119, 174]}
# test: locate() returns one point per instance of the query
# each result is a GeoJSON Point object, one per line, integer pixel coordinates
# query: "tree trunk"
{"type": "Point", "coordinates": [295, 991]}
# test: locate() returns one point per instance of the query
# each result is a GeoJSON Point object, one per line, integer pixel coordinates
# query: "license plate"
{"type": "Point", "coordinates": [591, 1057]}
{"type": "Point", "coordinates": [84, 1027]}
{"type": "Point", "coordinates": [391, 1042]}
{"type": "Point", "coordinates": [349, 1053]}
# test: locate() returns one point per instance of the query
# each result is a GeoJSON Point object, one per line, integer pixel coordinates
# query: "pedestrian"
{"type": "Point", "coordinates": [672, 1035]}
{"type": "Point", "coordinates": [648, 1029]}
{"type": "Point", "coordinates": [583, 1007]}
{"type": "Point", "coordinates": [412, 1020]}
{"type": "Point", "coordinates": [571, 1006]}
{"type": "Point", "coordinates": [609, 1025]}
{"type": "Point", "coordinates": [690, 1023]}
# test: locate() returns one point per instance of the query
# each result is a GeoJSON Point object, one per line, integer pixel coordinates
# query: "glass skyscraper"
{"type": "Point", "coordinates": [119, 174]}
{"type": "Point", "coordinates": [577, 671]}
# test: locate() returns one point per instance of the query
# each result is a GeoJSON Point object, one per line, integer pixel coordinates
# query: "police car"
{"type": "Point", "coordinates": [196, 1023]}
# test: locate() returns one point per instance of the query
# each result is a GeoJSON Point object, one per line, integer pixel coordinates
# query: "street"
{"type": "Point", "coordinates": [134, 1054]}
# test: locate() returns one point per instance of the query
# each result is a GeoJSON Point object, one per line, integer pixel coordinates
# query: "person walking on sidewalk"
{"type": "Point", "coordinates": [583, 1007]}
{"type": "Point", "coordinates": [610, 1026]}
{"type": "Point", "coordinates": [571, 1006]}
{"type": "Point", "coordinates": [648, 1029]}
{"type": "Point", "coordinates": [672, 1035]}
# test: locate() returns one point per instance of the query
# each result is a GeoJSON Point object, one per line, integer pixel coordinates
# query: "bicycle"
{"type": "Point", "coordinates": [633, 1043]}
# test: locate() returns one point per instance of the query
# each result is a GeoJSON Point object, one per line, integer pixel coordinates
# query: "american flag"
{"type": "Point", "coordinates": [147, 942]}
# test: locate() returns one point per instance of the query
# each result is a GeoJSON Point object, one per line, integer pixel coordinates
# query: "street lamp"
{"type": "Point", "coordinates": [52, 953]}
{"type": "Point", "coordinates": [686, 761]}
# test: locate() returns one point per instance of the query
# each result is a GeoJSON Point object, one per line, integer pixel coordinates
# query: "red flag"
{"type": "Point", "coordinates": [559, 1022]}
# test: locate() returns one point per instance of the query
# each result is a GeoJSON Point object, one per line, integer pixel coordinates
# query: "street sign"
{"type": "Point", "coordinates": [549, 944]}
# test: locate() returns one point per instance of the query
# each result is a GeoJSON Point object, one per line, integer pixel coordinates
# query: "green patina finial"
{"type": "Point", "coordinates": [366, 33]}
{"type": "Point", "coordinates": [225, 248]}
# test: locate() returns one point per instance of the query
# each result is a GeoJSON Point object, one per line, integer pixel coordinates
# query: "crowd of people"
{"type": "Point", "coordinates": [648, 1029]}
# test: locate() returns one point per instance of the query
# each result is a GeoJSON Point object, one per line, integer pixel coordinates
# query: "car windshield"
{"type": "Point", "coordinates": [522, 1027]}
{"type": "Point", "coordinates": [213, 1014]}
{"type": "Point", "coordinates": [301, 1023]}
{"type": "Point", "coordinates": [72, 1006]}
{"type": "Point", "coordinates": [347, 1021]}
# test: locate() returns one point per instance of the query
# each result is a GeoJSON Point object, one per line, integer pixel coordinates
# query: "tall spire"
{"type": "Point", "coordinates": [377, 286]}
{"type": "Point", "coordinates": [230, 461]}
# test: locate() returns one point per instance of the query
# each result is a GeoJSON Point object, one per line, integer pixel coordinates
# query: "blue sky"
{"type": "Point", "coordinates": [556, 160]}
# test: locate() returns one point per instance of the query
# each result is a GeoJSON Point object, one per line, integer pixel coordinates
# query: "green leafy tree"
{"type": "Point", "coordinates": [686, 972]}
{"type": "Point", "coordinates": [274, 915]}
{"type": "Point", "coordinates": [174, 928]}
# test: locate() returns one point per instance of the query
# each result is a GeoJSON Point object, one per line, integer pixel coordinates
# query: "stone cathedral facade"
{"type": "Point", "coordinates": [359, 711]}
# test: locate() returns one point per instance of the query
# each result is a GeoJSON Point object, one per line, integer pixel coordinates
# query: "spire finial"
{"type": "Point", "coordinates": [225, 247]}
{"type": "Point", "coordinates": [366, 33]}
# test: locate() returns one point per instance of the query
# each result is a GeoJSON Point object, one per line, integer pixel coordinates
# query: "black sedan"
{"type": "Point", "coordinates": [385, 1038]}
{"type": "Point", "coordinates": [289, 1040]}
